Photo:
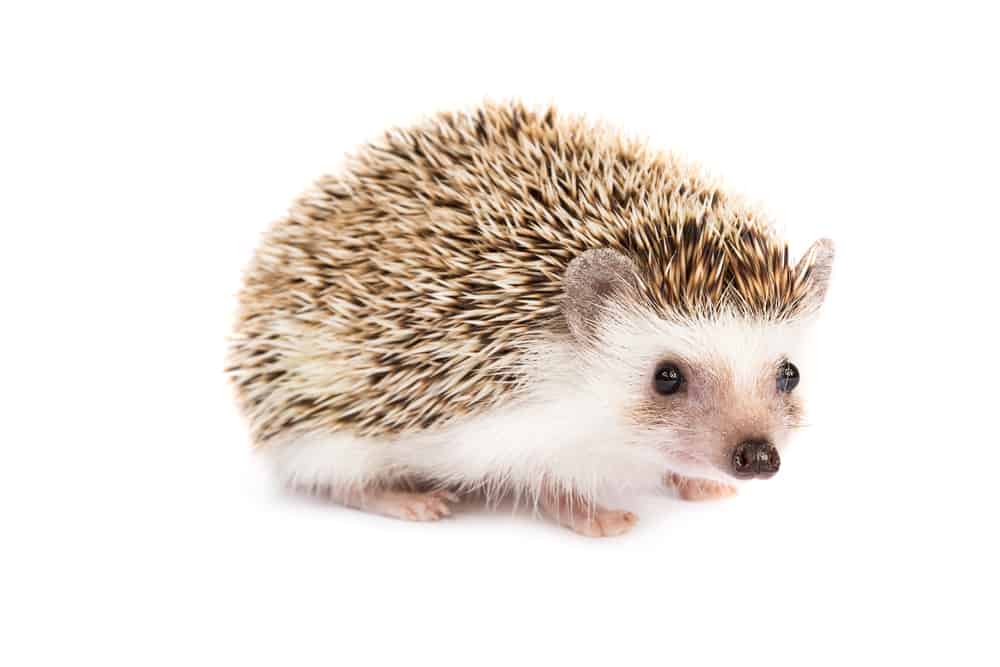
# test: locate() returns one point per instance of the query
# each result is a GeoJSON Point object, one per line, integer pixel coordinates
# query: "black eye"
{"type": "Point", "coordinates": [668, 379]}
{"type": "Point", "coordinates": [788, 376]}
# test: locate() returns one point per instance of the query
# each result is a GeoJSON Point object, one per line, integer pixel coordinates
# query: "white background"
{"type": "Point", "coordinates": [142, 152]}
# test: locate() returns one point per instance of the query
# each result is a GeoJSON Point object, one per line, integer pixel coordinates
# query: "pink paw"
{"type": "Point", "coordinates": [429, 506]}
{"type": "Point", "coordinates": [605, 523]}
{"type": "Point", "coordinates": [699, 489]}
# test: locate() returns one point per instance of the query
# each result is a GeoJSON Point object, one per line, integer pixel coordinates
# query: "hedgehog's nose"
{"type": "Point", "coordinates": [755, 458]}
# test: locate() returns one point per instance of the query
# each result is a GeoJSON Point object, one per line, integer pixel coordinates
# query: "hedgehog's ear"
{"type": "Point", "coordinates": [814, 269]}
{"type": "Point", "coordinates": [591, 280]}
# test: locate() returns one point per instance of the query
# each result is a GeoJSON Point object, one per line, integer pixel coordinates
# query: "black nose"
{"type": "Point", "coordinates": [755, 458]}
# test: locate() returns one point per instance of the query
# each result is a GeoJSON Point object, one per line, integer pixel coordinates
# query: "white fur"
{"type": "Point", "coordinates": [568, 445]}
{"type": "Point", "coordinates": [568, 431]}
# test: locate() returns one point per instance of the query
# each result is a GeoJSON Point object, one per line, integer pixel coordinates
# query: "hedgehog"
{"type": "Point", "coordinates": [509, 302]}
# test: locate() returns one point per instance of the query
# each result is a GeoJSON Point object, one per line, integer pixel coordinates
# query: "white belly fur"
{"type": "Point", "coordinates": [572, 444]}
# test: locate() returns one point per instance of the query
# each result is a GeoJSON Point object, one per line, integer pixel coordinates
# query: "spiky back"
{"type": "Point", "coordinates": [395, 295]}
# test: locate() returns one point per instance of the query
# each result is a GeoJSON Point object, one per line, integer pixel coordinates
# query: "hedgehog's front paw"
{"type": "Point", "coordinates": [605, 523]}
{"type": "Point", "coordinates": [699, 489]}
{"type": "Point", "coordinates": [429, 506]}
{"type": "Point", "coordinates": [589, 520]}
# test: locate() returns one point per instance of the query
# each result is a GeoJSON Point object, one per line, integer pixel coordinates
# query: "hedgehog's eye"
{"type": "Point", "coordinates": [668, 379]}
{"type": "Point", "coordinates": [788, 376]}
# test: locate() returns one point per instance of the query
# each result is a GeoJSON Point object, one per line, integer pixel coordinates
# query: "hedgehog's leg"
{"type": "Point", "coordinates": [410, 505]}
{"type": "Point", "coordinates": [586, 518]}
{"type": "Point", "coordinates": [355, 472]}
{"type": "Point", "coordinates": [688, 488]}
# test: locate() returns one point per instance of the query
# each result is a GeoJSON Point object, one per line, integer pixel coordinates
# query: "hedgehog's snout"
{"type": "Point", "coordinates": [755, 458]}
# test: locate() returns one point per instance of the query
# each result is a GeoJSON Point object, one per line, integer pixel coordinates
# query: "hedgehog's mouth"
{"type": "Point", "coordinates": [682, 456]}
{"type": "Point", "coordinates": [688, 463]}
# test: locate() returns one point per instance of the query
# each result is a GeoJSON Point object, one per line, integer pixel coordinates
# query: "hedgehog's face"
{"type": "Point", "coordinates": [717, 395]}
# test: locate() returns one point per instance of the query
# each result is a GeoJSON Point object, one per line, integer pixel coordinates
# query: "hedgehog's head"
{"type": "Point", "coordinates": [715, 388]}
